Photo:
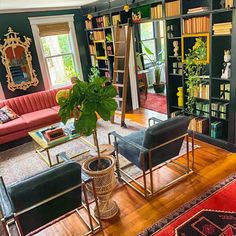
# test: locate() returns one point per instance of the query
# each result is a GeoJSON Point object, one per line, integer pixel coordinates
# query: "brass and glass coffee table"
{"type": "Point", "coordinates": [42, 146]}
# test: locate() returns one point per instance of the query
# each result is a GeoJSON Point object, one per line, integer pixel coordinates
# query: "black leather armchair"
{"type": "Point", "coordinates": [151, 148]}
{"type": "Point", "coordinates": [50, 195]}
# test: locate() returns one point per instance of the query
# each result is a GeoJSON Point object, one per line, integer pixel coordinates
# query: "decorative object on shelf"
{"type": "Point", "coordinates": [170, 31]}
{"type": "Point", "coordinates": [195, 61]}
{"type": "Point", "coordinates": [158, 66]}
{"type": "Point", "coordinates": [17, 60]}
{"type": "Point", "coordinates": [126, 7]}
{"type": "Point", "coordinates": [89, 16]}
{"type": "Point", "coordinates": [180, 96]}
{"type": "Point", "coordinates": [136, 17]}
{"type": "Point", "coordinates": [229, 3]}
{"type": "Point", "coordinates": [226, 72]}
{"type": "Point", "coordinates": [222, 3]}
{"type": "Point", "coordinates": [94, 99]}
{"type": "Point", "coordinates": [109, 38]}
{"type": "Point", "coordinates": [176, 48]}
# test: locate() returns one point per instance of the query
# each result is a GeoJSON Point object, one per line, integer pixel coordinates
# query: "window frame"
{"type": "Point", "coordinates": [34, 22]}
{"type": "Point", "coordinates": [156, 37]}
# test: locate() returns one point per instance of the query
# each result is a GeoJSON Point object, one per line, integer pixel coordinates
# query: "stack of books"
{"type": "Point", "coordinates": [204, 91]}
{"type": "Point", "coordinates": [102, 21]}
{"type": "Point", "coordinates": [156, 12]}
{"type": "Point", "coordinates": [116, 19]}
{"type": "Point", "coordinates": [88, 24]}
{"type": "Point", "coordinates": [99, 35]}
{"type": "Point", "coordinates": [216, 129]}
{"type": "Point", "coordinates": [197, 25]}
{"type": "Point", "coordinates": [197, 9]}
{"type": "Point", "coordinates": [200, 125]}
{"type": "Point", "coordinates": [172, 8]}
{"type": "Point", "coordinates": [222, 28]}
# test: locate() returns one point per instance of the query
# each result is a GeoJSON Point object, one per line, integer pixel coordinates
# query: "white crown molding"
{"type": "Point", "coordinates": [22, 10]}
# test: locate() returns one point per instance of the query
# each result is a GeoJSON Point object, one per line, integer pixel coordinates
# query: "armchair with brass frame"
{"type": "Point", "coordinates": [48, 197]}
{"type": "Point", "coordinates": [152, 148]}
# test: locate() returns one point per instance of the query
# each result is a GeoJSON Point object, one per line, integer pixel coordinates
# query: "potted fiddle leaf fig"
{"type": "Point", "coordinates": [86, 101]}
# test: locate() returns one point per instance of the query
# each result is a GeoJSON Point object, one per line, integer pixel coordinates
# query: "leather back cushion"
{"type": "Point", "coordinates": [164, 132]}
{"type": "Point", "coordinates": [32, 102]}
{"type": "Point", "coordinates": [42, 186]}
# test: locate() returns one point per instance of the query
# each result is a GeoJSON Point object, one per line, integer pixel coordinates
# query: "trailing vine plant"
{"type": "Point", "coordinates": [195, 61]}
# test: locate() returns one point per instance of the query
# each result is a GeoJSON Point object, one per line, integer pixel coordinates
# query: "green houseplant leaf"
{"type": "Point", "coordinates": [85, 101]}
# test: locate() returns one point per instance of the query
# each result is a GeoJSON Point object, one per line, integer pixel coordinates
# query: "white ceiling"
{"type": "Point", "coordinates": [38, 5]}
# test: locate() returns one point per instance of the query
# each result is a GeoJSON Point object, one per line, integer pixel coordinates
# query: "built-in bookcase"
{"type": "Point", "coordinates": [216, 101]}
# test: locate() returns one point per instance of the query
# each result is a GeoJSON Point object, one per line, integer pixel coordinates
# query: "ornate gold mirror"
{"type": "Point", "coordinates": [17, 60]}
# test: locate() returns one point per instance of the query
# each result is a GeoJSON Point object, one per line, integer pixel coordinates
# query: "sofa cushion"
{"type": "Point", "coordinates": [13, 126]}
{"type": "Point", "coordinates": [37, 118]}
{"type": "Point", "coordinates": [56, 108]}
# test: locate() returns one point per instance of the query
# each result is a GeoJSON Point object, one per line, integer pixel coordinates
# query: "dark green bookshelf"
{"type": "Point", "coordinates": [218, 43]}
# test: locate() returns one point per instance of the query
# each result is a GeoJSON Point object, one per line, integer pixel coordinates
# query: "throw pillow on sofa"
{"type": "Point", "coordinates": [7, 114]}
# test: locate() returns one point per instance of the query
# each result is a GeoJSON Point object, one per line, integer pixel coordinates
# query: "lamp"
{"type": "Point", "coordinates": [89, 16]}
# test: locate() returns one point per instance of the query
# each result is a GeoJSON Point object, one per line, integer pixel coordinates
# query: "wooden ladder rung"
{"type": "Point", "coordinates": [119, 85]}
{"type": "Point", "coordinates": [120, 42]}
{"type": "Point", "coordinates": [117, 56]}
{"type": "Point", "coordinates": [119, 71]}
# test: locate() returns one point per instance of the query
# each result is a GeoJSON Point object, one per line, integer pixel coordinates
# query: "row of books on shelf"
{"type": "Point", "coordinates": [197, 25]}
{"type": "Point", "coordinates": [99, 35]}
{"type": "Point", "coordinates": [172, 8]}
{"type": "Point", "coordinates": [202, 109]}
{"type": "Point", "coordinates": [201, 125]}
{"type": "Point", "coordinates": [88, 24]}
{"type": "Point", "coordinates": [225, 91]}
{"type": "Point", "coordinates": [156, 12]}
{"type": "Point", "coordinates": [116, 19]}
{"type": "Point", "coordinates": [102, 21]}
{"type": "Point", "coordinates": [222, 28]}
{"type": "Point", "coordinates": [220, 110]}
{"type": "Point", "coordinates": [202, 91]}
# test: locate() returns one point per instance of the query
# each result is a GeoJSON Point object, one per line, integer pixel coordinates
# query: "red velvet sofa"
{"type": "Point", "coordinates": [35, 111]}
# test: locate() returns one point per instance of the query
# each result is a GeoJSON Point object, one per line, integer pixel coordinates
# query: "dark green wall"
{"type": "Point", "coordinates": [20, 23]}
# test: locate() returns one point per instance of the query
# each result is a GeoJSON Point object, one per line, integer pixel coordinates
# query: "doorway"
{"type": "Point", "coordinates": [150, 61]}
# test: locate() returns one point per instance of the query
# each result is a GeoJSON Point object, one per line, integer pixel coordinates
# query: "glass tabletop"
{"type": "Point", "coordinates": [68, 130]}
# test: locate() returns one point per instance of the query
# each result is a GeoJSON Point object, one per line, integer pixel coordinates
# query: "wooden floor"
{"type": "Point", "coordinates": [212, 165]}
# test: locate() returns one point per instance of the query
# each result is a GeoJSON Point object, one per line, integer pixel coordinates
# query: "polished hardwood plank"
{"type": "Point", "coordinates": [212, 164]}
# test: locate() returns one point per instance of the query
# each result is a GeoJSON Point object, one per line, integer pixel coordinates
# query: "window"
{"type": "Point", "coordinates": [148, 40]}
{"type": "Point", "coordinates": [152, 37]}
{"type": "Point", "coordinates": [57, 49]}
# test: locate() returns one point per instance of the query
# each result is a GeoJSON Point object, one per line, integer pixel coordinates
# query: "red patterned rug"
{"type": "Point", "coordinates": [154, 102]}
{"type": "Point", "coordinates": [211, 214]}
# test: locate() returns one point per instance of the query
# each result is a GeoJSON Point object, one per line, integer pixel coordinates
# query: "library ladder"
{"type": "Point", "coordinates": [121, 66]}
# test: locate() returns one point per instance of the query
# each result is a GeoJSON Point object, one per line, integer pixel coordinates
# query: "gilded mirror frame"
{"type": "Point", "coordinates": [11, 42]}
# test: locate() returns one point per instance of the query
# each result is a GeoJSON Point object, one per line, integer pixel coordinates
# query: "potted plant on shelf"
{"type": "Point", "coordinates": [93, 99]}
{"type": "Point", "coordinates": [158, 85]}
{"type": "Point", "coordinates": [195, 62]}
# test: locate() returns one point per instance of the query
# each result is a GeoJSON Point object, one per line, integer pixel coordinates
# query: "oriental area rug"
{"type": "Point", "coordinates": [213, 213]}
{"type": "Point", "coordinates": [154, 102]}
